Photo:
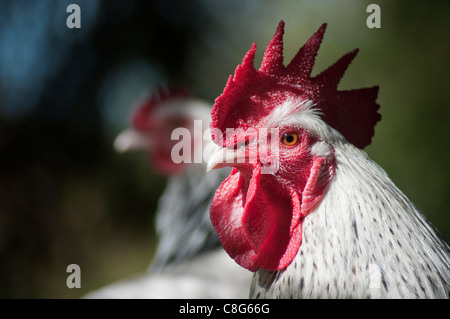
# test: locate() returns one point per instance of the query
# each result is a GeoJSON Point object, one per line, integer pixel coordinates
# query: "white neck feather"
{"type": "Point", "coordinates": [365, 239]}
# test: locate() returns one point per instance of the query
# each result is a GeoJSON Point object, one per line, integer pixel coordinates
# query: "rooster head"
{"type": "Point", "coordinates": [153, 121]}
{"type": "Point", "coordinates": [276, 127]}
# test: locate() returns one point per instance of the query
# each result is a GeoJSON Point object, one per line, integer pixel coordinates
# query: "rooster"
{"type": "Point", "coordinates": [189, 261]}
{"type": "Point", "coordinates": [304, 207]}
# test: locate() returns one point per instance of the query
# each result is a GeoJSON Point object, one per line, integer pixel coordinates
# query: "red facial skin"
{"type": "Point", "coordinates": [259, 216]}
{"type": "Point", "coordinates": [161, 144]}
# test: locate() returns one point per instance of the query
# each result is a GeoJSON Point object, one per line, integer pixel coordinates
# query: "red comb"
{"type": "Point", "coordinates": [142, 115]}
{"type": "Point", "coordinates": [250, 95]}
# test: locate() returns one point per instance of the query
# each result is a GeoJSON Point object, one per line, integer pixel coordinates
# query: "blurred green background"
{"type": "Point", "coordinates": [65, 195]}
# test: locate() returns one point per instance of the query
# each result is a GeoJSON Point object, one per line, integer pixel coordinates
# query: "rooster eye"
{"type": "Point", "coordinates": [290, 139]}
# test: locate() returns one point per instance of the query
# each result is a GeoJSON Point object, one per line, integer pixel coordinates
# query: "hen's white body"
{"type": "Point", "coordinates": [210, 275]}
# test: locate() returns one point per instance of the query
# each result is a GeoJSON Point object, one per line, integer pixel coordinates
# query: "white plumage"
{"type": "Point", "coordinates": [210, 275]}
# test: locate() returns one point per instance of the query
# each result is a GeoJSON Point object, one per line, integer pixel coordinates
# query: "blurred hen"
{"type": "Point", "coordinates": [182, 222]}
{"type": "Point", "coordinates": [188, 254]}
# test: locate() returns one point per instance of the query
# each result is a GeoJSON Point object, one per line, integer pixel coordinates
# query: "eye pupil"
{"type": "Point", "coordinates": [290, 139]}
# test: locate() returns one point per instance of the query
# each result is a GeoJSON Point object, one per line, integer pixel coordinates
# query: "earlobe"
{"type": "Point", "coordinates": [321, 175]}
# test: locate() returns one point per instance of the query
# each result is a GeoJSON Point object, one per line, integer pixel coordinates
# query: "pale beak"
{"type": "Point", "coordinates": [223, 157]}
{"type": "Point", "coordinates": [130, 140]}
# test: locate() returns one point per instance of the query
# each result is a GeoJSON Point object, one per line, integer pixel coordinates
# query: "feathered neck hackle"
{"type": "Point", "coordinates": [250, 95]}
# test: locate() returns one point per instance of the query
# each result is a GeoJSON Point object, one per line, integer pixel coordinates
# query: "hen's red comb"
{"type": "Point", "coordinates": [141, 120]}
{"type": "Point", "coordinates": [250, 95]}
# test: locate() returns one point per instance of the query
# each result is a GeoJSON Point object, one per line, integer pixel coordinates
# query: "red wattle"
{"type": "Point", "coordinates": [259, 224]}
{"type": "Point", "coordinates": [259, 219]}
